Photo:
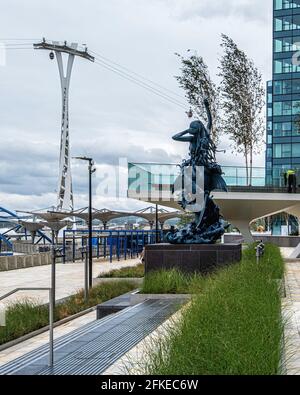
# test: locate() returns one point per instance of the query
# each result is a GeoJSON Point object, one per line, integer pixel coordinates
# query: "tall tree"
{"type": "Point", "coordinates": [197, 84]}
{"type": "Point", "coordinates": [243, 100]}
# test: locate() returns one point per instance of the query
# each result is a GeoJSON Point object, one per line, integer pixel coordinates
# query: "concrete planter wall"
{"type": "Point", "coordinates": [280, 241]}
{"type": "Point", "coordinates": [139, 298]}
{"type": "Point", "coordinates": [138, 281]}
{"type": "Point", "coordinates": [24, 261]}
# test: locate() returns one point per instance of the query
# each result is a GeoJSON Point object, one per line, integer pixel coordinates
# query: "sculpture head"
{"type": "Point", "coordinates": [196, 127]}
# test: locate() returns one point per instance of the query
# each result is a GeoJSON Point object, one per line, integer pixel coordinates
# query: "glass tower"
{"type": "Point", "coordinates": [283, 94]}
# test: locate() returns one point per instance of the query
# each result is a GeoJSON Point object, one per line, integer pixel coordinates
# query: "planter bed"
{"type": "Point", "coordinates": [26, 319]}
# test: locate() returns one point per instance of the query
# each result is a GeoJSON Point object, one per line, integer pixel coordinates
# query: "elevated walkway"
{"type": "Point", "coordinates": [240, 205]}
{"type": "Point", "coordinates": [92, 349]}
{"type": "Point", "coordinates": [155, 183]}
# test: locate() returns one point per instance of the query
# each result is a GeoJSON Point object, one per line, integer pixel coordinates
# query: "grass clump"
{"type": "Point", "coordinates": [27, 316]}
{"type": "Point", "coordinates": [126, 272]}
{"type": "Point", "coordinates": [233, 327]}
{"type": "Point", "coordinates": [171, 282]}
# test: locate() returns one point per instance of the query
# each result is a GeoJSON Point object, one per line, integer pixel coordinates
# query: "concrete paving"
{"type": "Point", "coordinates": [69, 279]}
{"type": "Point", "coordinates": [291, 313]}
{"type": "Point", "coordinates": [93, 348]}
{"type": "Point", "coordinates": [29, 345]}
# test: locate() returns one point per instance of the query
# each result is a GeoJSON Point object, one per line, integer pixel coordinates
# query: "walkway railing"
{"type": "Point", "coordinates": [51, 316]}
{"type": "Point", "coordinates": [152, 176]}
{"type": "Point", "coordinates": [108, 243]}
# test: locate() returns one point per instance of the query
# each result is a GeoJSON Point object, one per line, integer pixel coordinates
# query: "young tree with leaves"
{"type": "Point", "coordinates": [197, 84]}
{"type": "Point", "coordinates": [243, 100]}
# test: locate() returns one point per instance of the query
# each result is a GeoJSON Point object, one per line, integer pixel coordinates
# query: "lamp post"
{"type": "Point", "coordinates": [90, 220]}
{"type": "Point", "coordinates": [156, 227]}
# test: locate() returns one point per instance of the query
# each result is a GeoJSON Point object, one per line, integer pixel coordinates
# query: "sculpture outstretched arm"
{"type": "Point", "coordinates": [182, 136]}
{"type": "Point", "coordinates": [209, 116]}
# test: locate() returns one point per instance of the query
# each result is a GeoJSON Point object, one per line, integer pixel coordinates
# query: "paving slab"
{"type": "Point", "coordinates": [93, 348]}
{"type": "Point", "coordinates": [291, 313]}
{"type": "Point", "coordinates": [69, 279]}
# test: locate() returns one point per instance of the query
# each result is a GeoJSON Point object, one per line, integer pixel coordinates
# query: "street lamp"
{"type": "Point", "coordinates": [90, 220]}
{"type": "Point", "coordinates": [156, 220]}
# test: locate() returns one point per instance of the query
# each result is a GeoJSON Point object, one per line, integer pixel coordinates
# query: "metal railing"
{"type": "Point", "coordinates": [51, 316]}
{"type": "Point", "coordinates": [150, 176]}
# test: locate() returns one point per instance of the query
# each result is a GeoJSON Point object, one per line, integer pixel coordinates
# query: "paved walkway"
{"type": "Point", "coordinates": [291, 311]}
{"type": "Point", "coordinates": [96, 346]}
{"type": "Point", "coordinates": [69, 279]}
{"type": "Point", "coordinates": [29, 345]}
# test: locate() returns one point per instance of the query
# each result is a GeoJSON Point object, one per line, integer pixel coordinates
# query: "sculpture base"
{"type": "Point", "coordinates": [195, 258]}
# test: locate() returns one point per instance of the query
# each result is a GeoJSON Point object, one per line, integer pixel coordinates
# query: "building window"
{"type": "Point", "coordinates": [282, 129]}
{"type": "Point", "coordinates": [296, 128]}
{"type": "Point", "coordinates": [269, 126]}
{"type": "Point", "coordinates": [270, 112]}
{"type": "Point", "coordinates": [296, 150]}
{"type": "Point", "coordinates": [287, 44]}
{"type": "Point", "coordinates": [285, 23]}
{"type": "Point", "coordinates": [296, 107]}
{"type": "Point", "coordinates": [282, 151]}
{"type": "Point", "coordinates": [282, 108]}
{"type": "Point", "coordinates": [286, 4]}
{"type": "Point", "coordinates": [269, 153]}
{"type": "Point", "coordinates": [286, 108]}
{"type": "Point", "coordinates": [270, 139]}
{"type": "Point", "coordinates": [284, 87]}
{"type": "Point", "coordinates": [270, 98]}
{"type": "Point", "coordinates": [296, 86]}
{"type": "Point", "coordinates": [286, 66]}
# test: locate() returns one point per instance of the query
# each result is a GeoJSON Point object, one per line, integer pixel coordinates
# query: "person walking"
{"type": "Point", "coordinates": [292, 181]}
{"type": "Point", "coordinates": [285, 178]}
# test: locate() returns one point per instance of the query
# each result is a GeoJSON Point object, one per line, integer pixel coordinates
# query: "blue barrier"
{"type": "Point", "coordinates": [117, 243]}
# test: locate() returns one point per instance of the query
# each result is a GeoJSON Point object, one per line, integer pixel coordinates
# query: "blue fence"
{"type": "Point", "coordinates": [108, 244]}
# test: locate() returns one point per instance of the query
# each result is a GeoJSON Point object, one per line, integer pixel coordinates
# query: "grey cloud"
{"type": "Point", "coordinates": [109, 116]}
{"type": "Point", "coordinates": [249, 10]}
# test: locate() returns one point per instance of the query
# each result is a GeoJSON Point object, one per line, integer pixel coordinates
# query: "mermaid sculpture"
{"type": "Point", "coordinates": [208, 226]}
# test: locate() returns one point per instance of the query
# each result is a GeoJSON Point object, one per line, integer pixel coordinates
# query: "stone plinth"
{"type": "Point", "coordinates": [197, 258]}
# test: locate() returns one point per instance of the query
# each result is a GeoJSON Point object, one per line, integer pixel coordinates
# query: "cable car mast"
{"type": "Point", "coordinates": [65, 190]}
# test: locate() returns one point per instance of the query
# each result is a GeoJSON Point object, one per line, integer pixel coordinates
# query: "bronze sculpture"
{"type": "Point", "coordinates": [208, 226]}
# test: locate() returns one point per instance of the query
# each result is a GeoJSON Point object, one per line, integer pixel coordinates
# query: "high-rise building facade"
{"type": "Point", "coordinates": [283, 94]}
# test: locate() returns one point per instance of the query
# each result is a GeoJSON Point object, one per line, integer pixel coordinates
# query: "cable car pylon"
{"type": "Point", "coordinates": [65, 190]}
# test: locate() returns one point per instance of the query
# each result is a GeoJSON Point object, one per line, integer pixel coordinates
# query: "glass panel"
{"type": "Point", "coordinates": [282, 129]}
{"type": "Point", "coordinates": [296, 107]}
{"type": "Point", "coordinates": [296, 128]}
{"type": "Point", "coordinates": [270, 98]}
{"type": "Point", "coordinates": [270, 139]}
{"type": "Point", "coordinates": [296, 150]}
{"type": "Point", "coordinates": [278, 108]}
{"type": "Point", "coordinates": [277, 150]}
{"type": "Point", "coordinates": [286, 150]}
{"type": "Point", "coordinates": [278, 66]}
{"type": "Point", "coordinates": [286, 108]}
{"type": "Point", "coordinates": [296, 86]}
{"type": "Point", "coordinates": [282, 150]}
{"type": "Point", "coordinates": [269, 126]}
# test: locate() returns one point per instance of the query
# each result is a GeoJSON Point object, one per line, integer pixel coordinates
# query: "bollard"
{"type": "Point", "coordinates": [260, 250]}
{"type": "Point", "coordinates": [2, 314]}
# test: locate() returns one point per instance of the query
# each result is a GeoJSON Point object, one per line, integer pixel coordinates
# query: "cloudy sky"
{"type": "Point", "coordinates": [109, 116]}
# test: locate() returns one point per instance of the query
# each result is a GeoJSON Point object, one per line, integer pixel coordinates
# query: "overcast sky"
{"type": "Point", "coordinates": [109, 116]}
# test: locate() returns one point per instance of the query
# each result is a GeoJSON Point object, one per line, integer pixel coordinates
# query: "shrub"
{"type": "Point", "coordinates": [126, 272]}
{"type": "Point", "coordinates": [27, 316]}
{"type": "Point", "coordinates": [171, 282]}
{"type": "Point", "coordinates": [234, 327]}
